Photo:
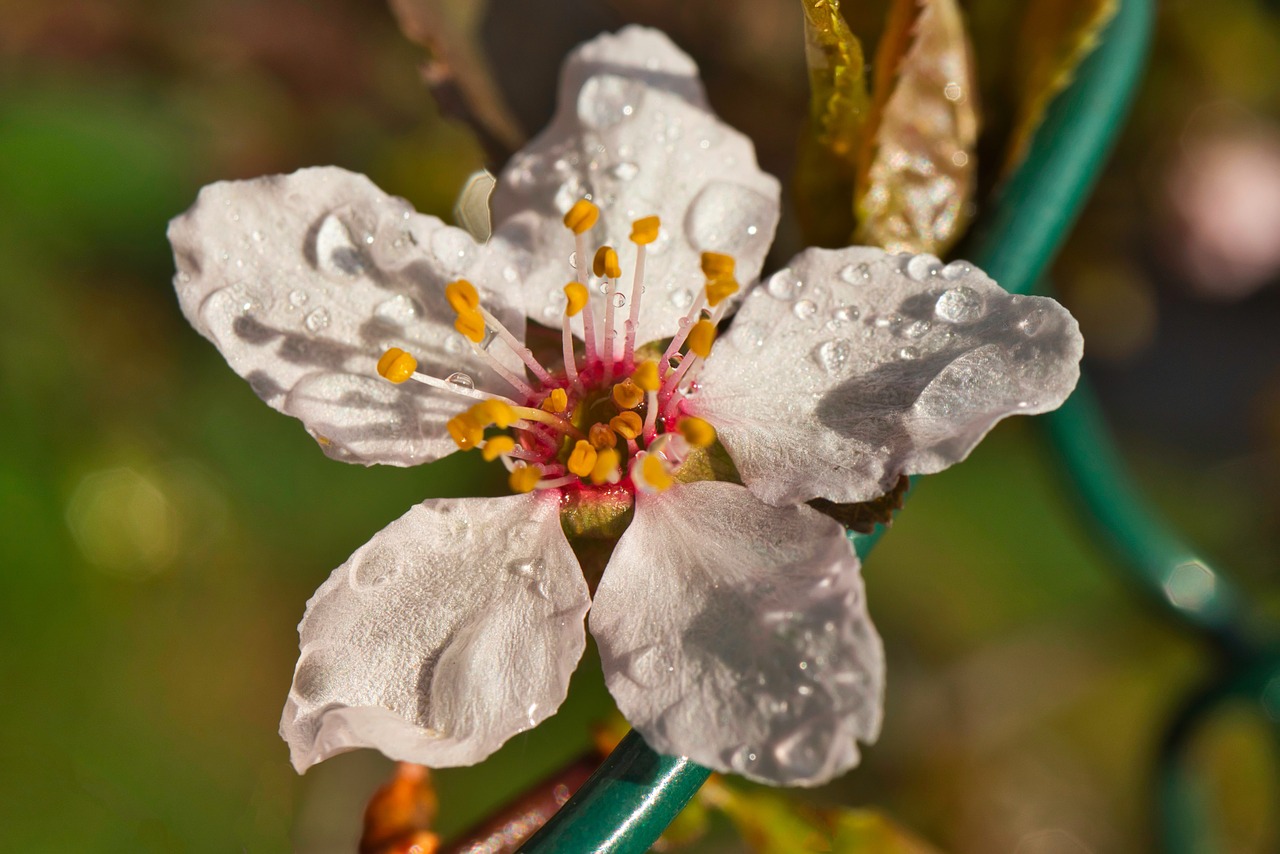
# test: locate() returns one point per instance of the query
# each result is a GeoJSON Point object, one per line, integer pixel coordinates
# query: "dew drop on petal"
{"type": "Point", "coordinates": [918, 329]}
{"type": "Point", "coordinates": [401, 310]}
{"type": "Point", "coordinates": [804, 309]}
{"type": "Point", "coordinates": [959, 305]}
{"type": "Point", "coordinates": [298, 298]}
{"type": "Point", "coordinates": [682, 298]}
{"type": "Point", "coordinates": [624, 171]}
{"type": "Point", "coordinates": [832, 356]}
{"type": "Point", "coordinates": [908, 354]}
{"type": "Point", "coordinates": [1031, 324]}
{"type": "Point", "coordinates": [451, 246]}
{"type": "Point", "coordinates": [922, 267]}
{"type": "Point", "coordinates": [607, 99]}
{"type": "Point", "coordinates": [956, 270]}
{"type": "Point", "coordinates": [318, 320]}
{"type": "Point", "coordinates": [453, 345]}
{"type": "Point", "coordinates": [855, 274]}
{"type": "Point", "coordinates": [845, 314]}
{"type": "Point", "coordinates": [336, 253]}
{"type": "Point", "coordinates": [784, 284]}
{"type": "Point", "coordinates": [460, 379]}
{"type": "Point", "coordinates": [723, 216]}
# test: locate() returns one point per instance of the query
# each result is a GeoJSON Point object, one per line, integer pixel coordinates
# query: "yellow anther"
{"type": "Point", "coordinates": [557, 401]}
{"type": "Point", "coordinates": [582, 459]}
{"type": "Point", "coordinates": [470, 324]}
{"type": "Point", "coordinates": [581, 216]}
{"type": "Point", "coordinates": [718, 290]}
{"type": "Point", "coordinates": [576, 294]}
{"type": "Point", "coordinates": [606, 465]}
{"type": "Point", "coordinates": [696, 432]}
{"type": "Point", "coordinates": [602, 437]}
{"type": "Point", "coordinates": [646, 376]}
{"type": "Point", "coordinates": [627, 394]}
{"type": "Point", "coordinates": [497, 446]}
{"type": "Point", "coordinates": [645, 230]}
{"type": "Point", "coordinates": [494, 412]}
{"type": "Point", "coordinates": [465, 430]}
{"type": "Point", "coordinates": [655, 473]}
{"type": "Point", "coordinates": [701, 337]}
{"type": "Point", "coordinates": [606, 263]}
{"type": "Point", "coordinates": [396, 365]}
{"type": "Point", "coordinates": [525, 478]}
{"type": "Point", "coordinates": [716, 265]}
{"type": "Point", "coordinates": [626, 424]}
{"type": "Point", "coordinates": [462, 296]}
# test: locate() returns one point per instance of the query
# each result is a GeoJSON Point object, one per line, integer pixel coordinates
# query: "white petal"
{"type": "Point", "coordinates": [737, 634]}
{"type": "Point", "coordinates": [851, 367]}
{"type": "Point", "coordinates": [316, 274]}
{"type": "Point", "coordinates": [633, 131]}
{"type": "Point", "coordinates": [450, 631]}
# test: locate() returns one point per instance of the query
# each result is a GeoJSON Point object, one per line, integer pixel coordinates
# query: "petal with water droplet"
{"type": "Point", "coordinates": [426, 646]}
{"type": "Point", "coordinates": [634, 131]}
{"type": "Point", "coordinates": [907, 385]}
{"type": "Point", "coordinates": [318, 273]}
{"type": "Point", "coordinates": [737, 634]}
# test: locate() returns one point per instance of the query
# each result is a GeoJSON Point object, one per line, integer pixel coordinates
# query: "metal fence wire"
{"type": "Point", "coordinates": [636, 793]}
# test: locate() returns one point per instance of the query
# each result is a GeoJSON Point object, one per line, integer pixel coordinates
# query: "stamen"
{"type": "Point", "coordinates": [686, 324]}
{"type": "Point", "coordinates": [557, 401]}
{"type": "Point", "coordinates": [701, 337]}
{"type": "Point", "coordinates": [462, 296]}
{"type": "Point", "coordinates": [523, 352]}
{"type": "Point", "coordinates": [606, 264]}
{"type": "Point", "coordinates": [696, 432]}
{"type": "Point", "coordinates": [556, 421]}
{"type": "Point", "coordinates": [650, 473]}
{"type": "Point", "coordinates": [575, 294]}
{"type": "Point", "coordinates": [524, 478]}
{"type": "Point", "coordinates": [716, 265]}
{"type": "Point", "coordinates": [643, 232]}
{"type": "Point", "coordinates": [497, 447]}
{"type": "Point", "coordinates": [580, 218]}
{"type": "Point", "coordinates": [606, 468]}
{"type": "Point", "coordinates": [471, 324]}
{"type": "Point", "coordinates": [601, 437]}
{"type": "Point", "coordinates": [467, 433]}
{"type": "Point", "coordinates": [445, 385]}
{"type": "Point", "coordinates": [493, 412]}
{"type": "Point", "coordinates": [498, 368]}
{"type": "Point", "coordinates": [396, 365]}
{"type": "Point", "coordinates": [626, 424]}
{"type": "Point", "coordinates": [718, 290]}
{"type": "Point", "coordinates": [558, 482]}
{"type": "Point", "coordinates": [627, 394]}
{"type": "Point", "coordinates": [582, 460]}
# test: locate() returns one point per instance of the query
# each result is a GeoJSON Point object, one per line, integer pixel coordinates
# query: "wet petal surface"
{"type": "Point", "coordinates": [851, 367]}
{"type": "Point", "coordinates": [633, 132]}
{"type": "Point", "coordinates": [304, 280]}
{"type": "Point", "coordinates": [736, 634]}
{"type": "Point", "coordinates": [453, 629]}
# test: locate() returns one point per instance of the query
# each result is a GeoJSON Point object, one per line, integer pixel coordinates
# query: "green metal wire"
{"type": "Point", "coordinates": [629, 802]}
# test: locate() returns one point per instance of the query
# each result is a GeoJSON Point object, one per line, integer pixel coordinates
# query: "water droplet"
{"type": "Point", "coordinates": [888, 321]}
{"type": "Point", "coordinates": [722, 216]}
{"type": "Point", "coordinates": [258, 236]}
{"type": "Point", "coordinates": [959, 305]}
{"type": "Point", "coordinates": [619, 300]}
{"type": "Point", "coordinates": [918, 329]}
{"type": "Point", "coordinates": [460, 379]}
{"type": "Point", "coordinates": [453, 345]}
{"type": "Point", "coordinates": [784, 284]}
{"type": "Point", "coordinates": [1031, 324]}
{"type": "Point", "coordinates": [748, 336]}
{"type": "Point", "coordinates": [569, 193]}
{"type": "Point", "coordinates": [336, 253]}
{"type": "Point", "coordinates": [742, 759]}
{"type": "Point", "coordinates": [953, 91]}
{"type": "Point", "coordinates": [922, 267]}
{"type": "Point", "coordinates": [907, 354]}
{"type": "Point", "coordinates": [855, 274]}
{"type": "Point", "coordinates": [833, 355]}
{"type": "Point", "coordinates": [682, 298]}
{"type": "Point", "coordinates": [451, 247]}
{"type": "Point", "coordinates": [509, 274]}
{"type": "Point", "coordinates": [318, 320]}
{"type": "Point", "coordinates": [298, 298]}
{"type": "Point", "coordinates": [956, 270]}
{"type": "Point", "coordinates": [400, 310]}
{"type": "Point", "coordinates": [607, 99]}
{"type": "Point", "coordinates": [625, 171]}
{"type": "Point", "coordinates": [573, 260]}
{"type": "Point", "coordinates": [804, 309]}
{"type": "Point", "coordinates": [375, 571]}
{"type": "Point", "coordinates": [845, 314]}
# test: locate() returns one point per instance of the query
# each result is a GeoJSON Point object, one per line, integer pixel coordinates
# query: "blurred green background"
{"type": "Point", "coordinates": [161, 529]}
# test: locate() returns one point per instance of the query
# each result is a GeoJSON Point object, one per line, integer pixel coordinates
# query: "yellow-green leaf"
{"type": "Point", "coordinates": [1055, 37]}
{"type": "Point", "coordinates": [916, 173]}
{"type": "Point", "coordinates": [870, 832]}
{"type": "Point", "coordinates": [838, 107]}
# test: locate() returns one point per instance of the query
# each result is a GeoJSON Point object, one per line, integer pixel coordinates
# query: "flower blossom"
{"type": "Point", "coordinates": [730, 614]}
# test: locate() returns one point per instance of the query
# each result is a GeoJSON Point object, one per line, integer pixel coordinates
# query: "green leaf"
{"type": "Point", "coordinates": [838, 107]}
{"type": "Point", "coordinates": [870, 832]}
{"type": "Point", "coordinates": [1055, 37]}
{"type": "Point", "coordinates": [916, 172]}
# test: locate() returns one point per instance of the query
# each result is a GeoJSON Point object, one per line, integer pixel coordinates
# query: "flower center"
{"type": "Point", "coordinates": [609, 415]}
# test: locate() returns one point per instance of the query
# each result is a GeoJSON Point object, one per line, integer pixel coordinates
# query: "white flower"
{"type": "Point", "coordinates": [730, 619]}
